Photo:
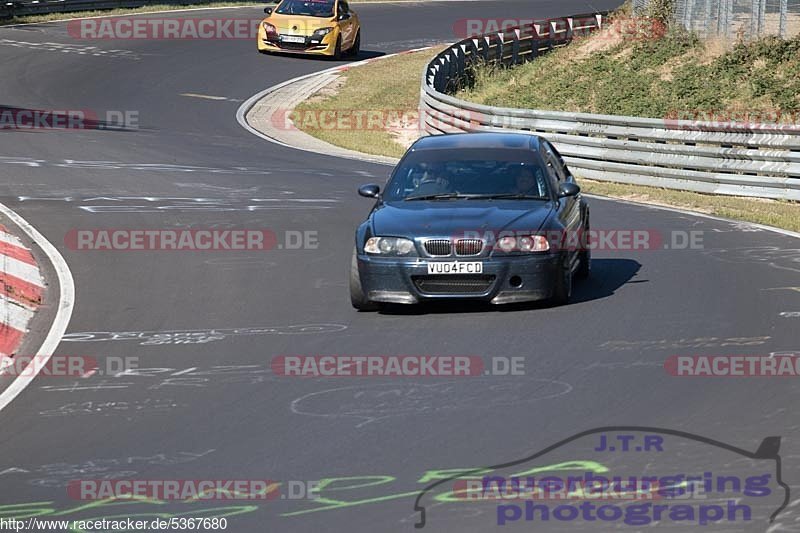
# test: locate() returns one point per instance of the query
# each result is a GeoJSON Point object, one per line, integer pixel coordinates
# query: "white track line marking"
{"type": "Point", "coordinates": [66, 303]}
{"type": "Point", "coordinates": [241, 113]}
{"type": "Point", "coordinates": [209, 97]}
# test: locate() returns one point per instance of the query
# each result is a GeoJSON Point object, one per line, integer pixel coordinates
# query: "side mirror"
{"type": "Point", "coordinates": [568, 189]}
{"type": "Point", "coordinates": [370, 191]}
{"type": "Point", "coordinates": [268, 10]}
{"type": "Point", "coordinates": [343, 16]}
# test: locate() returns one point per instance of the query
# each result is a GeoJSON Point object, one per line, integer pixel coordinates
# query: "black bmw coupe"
{"type": "Point", "coordinates": [496, 217]}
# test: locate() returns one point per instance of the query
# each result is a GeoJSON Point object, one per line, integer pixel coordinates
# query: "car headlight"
{"type": "Point", "coordinates": [269, 28]}
{"type": "Point", "coordinates": [389, 246]}
{"type": "Point", "coordinates": [525, 243]}
{"type": "Point", "coordinates": [322, 32]}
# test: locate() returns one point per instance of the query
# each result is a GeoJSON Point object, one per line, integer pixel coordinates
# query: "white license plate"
{"type": "Point", "coordinates": [292, 39]}
{"type": "Point", "coordinates": [455, 267]}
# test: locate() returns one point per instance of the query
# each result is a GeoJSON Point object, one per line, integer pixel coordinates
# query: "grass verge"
{"type": "Point", "coordinates": [620, 71]}
{"type": "Point", "coordinates": [387, 89]}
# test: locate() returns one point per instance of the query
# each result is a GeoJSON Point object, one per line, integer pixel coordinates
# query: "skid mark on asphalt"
{"type": "Point", "coordinates": [370, 403]}
{"type": "Point", "coordinates": [198, 336]}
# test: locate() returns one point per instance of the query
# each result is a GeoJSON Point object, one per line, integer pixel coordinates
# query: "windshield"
{"type": "Point", "coordinates": [453, 176]}
{"type": "Point", "coordinates": [311, 8]}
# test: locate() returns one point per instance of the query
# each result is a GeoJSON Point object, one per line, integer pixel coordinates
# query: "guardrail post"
{"type": "Point", "coordinates": [515, 59]}
{"type": "Point", "coordinates": [439, 81]}
{"type": "Point", "coordinates": [455, 66]}
{"type": "Point", "coordinates": [471, 52]}
{"type": "Point", "coordinates": [500, 48]}
{"type": "Point", "coordinates": [483, 48]}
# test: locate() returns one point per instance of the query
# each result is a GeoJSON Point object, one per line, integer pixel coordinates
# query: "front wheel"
{"type": "Point", "coordinates": [357, 297]}
{"type": "Point", "coordinates": [563, 289]}
{"type": "Point", "coordinates": [356, 48]}
{"type": "Point", "coordinates": [337, 51]}
{"type": "Point", "coordinates": [585, 255]}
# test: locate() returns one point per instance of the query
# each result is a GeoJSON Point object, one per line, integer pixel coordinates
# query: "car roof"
{"type": "Point", "coordinates": [471, 141]}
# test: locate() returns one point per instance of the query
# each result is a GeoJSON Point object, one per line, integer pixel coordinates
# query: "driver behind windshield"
{"type": "Point", "coordinates": [314, 8]}
{"type": "Point", "coordinates": [529, 181]}
{"type": "Point", "coordinates": [431, 178]}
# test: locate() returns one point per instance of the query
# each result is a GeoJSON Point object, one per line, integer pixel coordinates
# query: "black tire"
{"type": "Point", "coordinates": [337, 52]}
{"type": "Point", "coordinates": [563, 289]}
{"type": "Point", "coordinates": [356, 48]}
{"type": "Point", "coordinates": [585, 256]}
{"type": "Point", "coordinates": [357, 297]}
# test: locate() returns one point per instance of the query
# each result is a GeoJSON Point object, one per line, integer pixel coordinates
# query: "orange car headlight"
{"type": "Point", "coordinates": [269, 28]}
{"type": "Point", "coordinates": [322, 32]}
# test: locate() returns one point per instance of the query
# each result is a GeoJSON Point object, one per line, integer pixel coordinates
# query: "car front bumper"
{"type": "Point", "coordinates": [326, 46]}
{"type": "Point", "coordinates": [504, 280]}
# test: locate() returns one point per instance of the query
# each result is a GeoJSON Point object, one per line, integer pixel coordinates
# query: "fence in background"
{"type": "Point", "coordinates": [732, 18]}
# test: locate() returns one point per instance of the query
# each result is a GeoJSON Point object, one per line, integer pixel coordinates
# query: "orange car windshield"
{"type": "Point", "coordinates": [310, 8]}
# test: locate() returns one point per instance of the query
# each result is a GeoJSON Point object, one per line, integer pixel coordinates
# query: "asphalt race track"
{"type": "Point", "coordinates": [207, 405]}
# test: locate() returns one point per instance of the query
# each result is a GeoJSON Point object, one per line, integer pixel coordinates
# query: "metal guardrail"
{"type": "Point", "coordinates": [761, 160]}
